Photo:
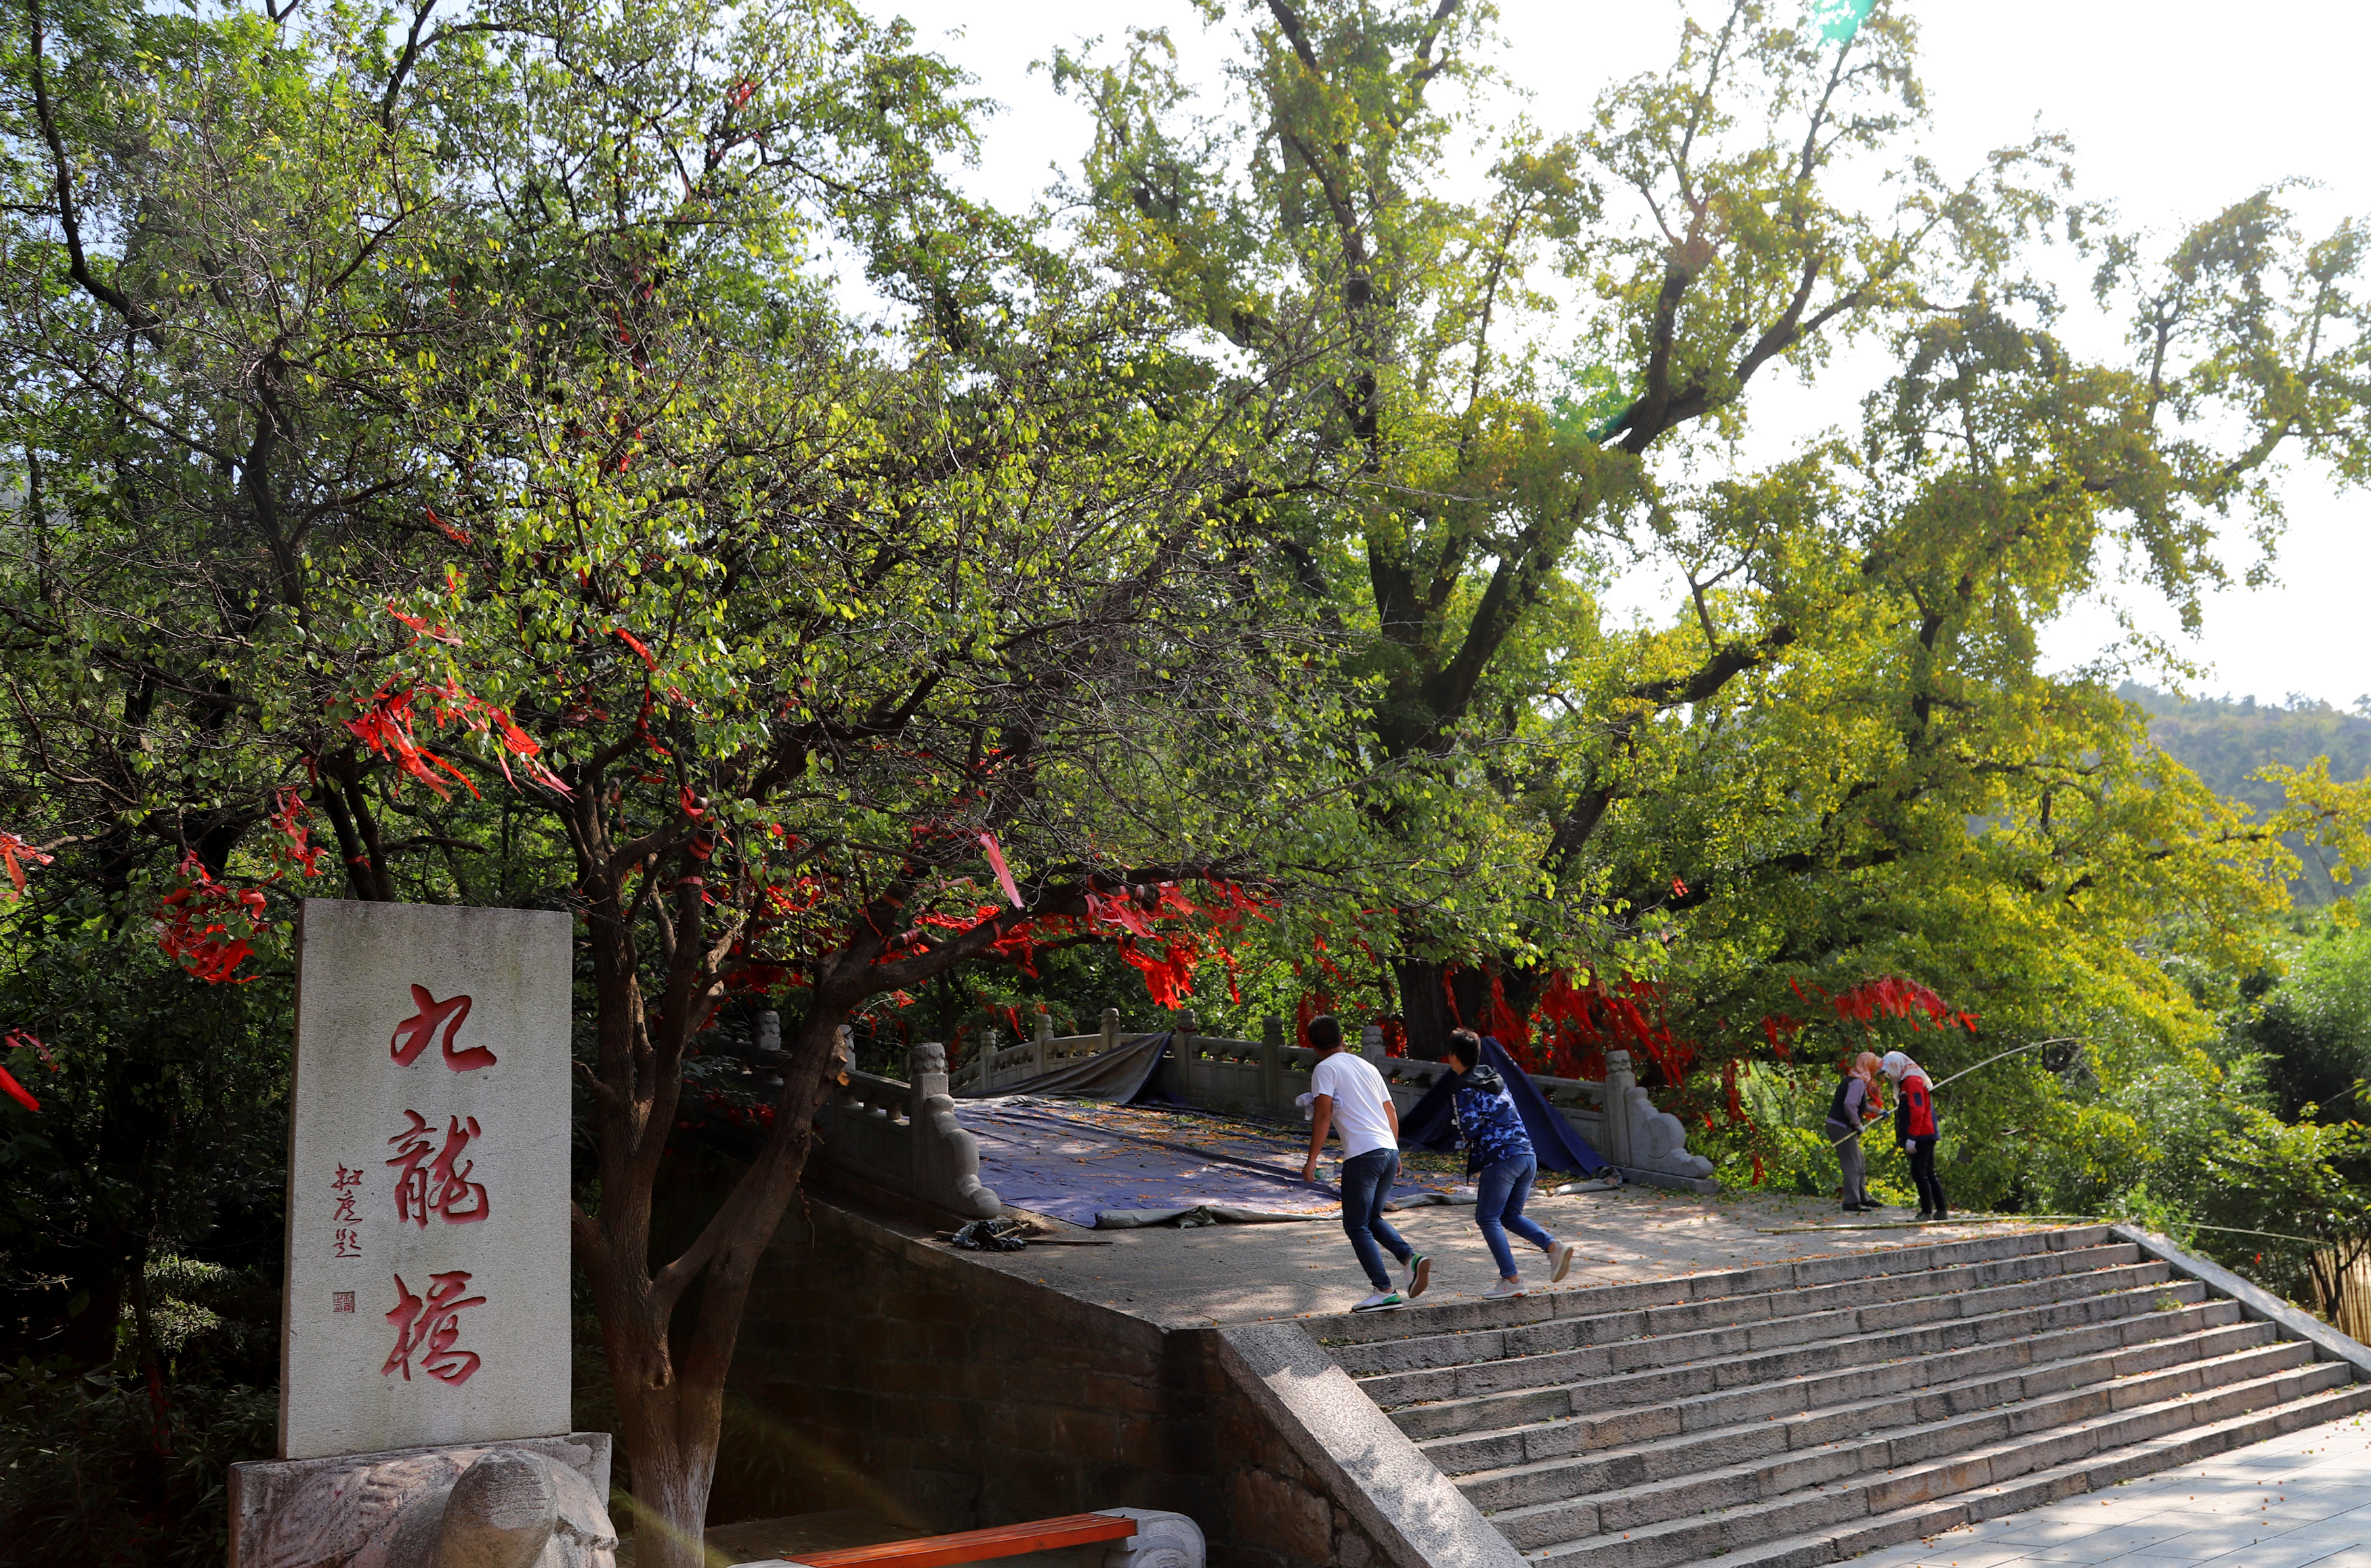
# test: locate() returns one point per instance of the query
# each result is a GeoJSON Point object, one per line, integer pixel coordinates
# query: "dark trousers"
{"type": "Point", "coordinates": [1498, 1209]}
{"type": "Point", "coordinates": [1366, 1182]}
{"type": "Point", "coordinates": [1922, 1172]}
{"type": "Point", "coordinates": [1854, 1162]}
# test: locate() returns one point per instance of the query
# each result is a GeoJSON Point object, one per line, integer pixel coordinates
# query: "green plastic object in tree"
{"type": "Point", "coordinates": [1840, 20]}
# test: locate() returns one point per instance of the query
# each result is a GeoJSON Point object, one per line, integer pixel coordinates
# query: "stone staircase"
{"type": "Point", "coordinates": [1808, 1412]}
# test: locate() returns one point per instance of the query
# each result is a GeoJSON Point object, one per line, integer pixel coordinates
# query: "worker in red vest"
{"type": "Point", "coordinates": [1914, 1131]}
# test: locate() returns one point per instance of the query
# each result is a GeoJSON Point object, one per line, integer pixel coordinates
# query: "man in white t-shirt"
{"type": "Point", "coordinates": [1347, 1091]}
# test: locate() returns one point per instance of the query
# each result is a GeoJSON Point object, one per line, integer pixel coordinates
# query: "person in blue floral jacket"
{"type": "Point", "coordinates": [1500, 1158]}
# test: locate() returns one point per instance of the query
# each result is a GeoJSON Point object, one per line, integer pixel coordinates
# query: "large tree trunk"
{"type": "Point", "coordinates": [670, 1406]}
{"type": "Point", "coordinates": [1438, 998]}
{"type": "Point", "coordinates": [668, 1429]}
{"type": "Point", "coordinates": [669, 1381]}
{"type": "Point", "coordinates": [670, 1386]}
{"type": "Point", "coordinates": [1427, 989]}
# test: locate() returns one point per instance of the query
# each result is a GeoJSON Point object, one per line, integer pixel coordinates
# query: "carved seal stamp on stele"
{"type": "Point", "coordinates": [428, 1202]}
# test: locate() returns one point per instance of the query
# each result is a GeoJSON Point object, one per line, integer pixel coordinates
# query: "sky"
{"type": "Point", "coordinates": [2176, 110]}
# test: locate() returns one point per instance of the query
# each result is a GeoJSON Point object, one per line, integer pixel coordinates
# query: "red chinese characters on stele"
{"type": "Point", "coordinates": [428, 1327]}
{"type": "Point", "coordinates": [439, 1186]}
{"type": "Point", "coordinates": [440, 1022]}
{"type": "Point", "coordinates": [430, 1180]}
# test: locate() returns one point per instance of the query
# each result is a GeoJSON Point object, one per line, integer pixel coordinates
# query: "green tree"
{"type": "Point", "coordinates": [441, 437]}
{"type": "Point", "coordinates": [2314, 1024]}
{"type": "Point", "coordinates": [139, 1239]}
{"type": "Point", "coordinates": [2226, 744]}
{"type": "Point", "coordinates": [1839, 761]}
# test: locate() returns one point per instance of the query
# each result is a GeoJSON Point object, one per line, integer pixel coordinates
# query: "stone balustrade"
{"type": "Point", "coordinates": [1264, 1078]}
{"type": "Point", "coordinates": [995, 1066]}
{"type": "Point", "coordinates": [900, 1141]}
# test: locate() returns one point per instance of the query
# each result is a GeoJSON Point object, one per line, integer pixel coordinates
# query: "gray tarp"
{"type": "Point", "coordinates": [1121, 1076]}
{"type": "Point", "coordinates": [1118, 1165]}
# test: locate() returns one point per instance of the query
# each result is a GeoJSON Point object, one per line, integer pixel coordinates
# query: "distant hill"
{"type": "Point", "coordinates": [2222, 742]}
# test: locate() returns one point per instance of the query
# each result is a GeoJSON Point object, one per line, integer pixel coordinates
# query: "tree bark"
{"type": "Point", "coordinates": [670, 1387]}
{"type": "Point", "coordinates": [1427, 1009]}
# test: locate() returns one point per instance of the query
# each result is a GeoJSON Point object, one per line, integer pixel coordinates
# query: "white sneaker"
{"type": "Point", "coordinates": [1419, 1274]}
{"type": "Point", "coordinates": [1562, 1253]}
{"type": "Point", "coordinates": [1505, 1290]}
{"type": "Point", "coordinates": [1381, 1301]}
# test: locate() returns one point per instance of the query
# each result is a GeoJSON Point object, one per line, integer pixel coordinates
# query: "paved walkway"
{"type": "Point", "coordinates": [2302, 1501]}
{"type": "Point", "coordinates": [1236, 1273]}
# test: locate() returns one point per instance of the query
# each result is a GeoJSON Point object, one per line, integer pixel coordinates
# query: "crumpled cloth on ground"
{"type": "Point", "coordinates": [991, 1236]}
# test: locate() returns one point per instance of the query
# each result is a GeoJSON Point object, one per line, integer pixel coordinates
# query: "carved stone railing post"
{"type": "Point", "coordinates": [926, 1072]}
{"type": "Point", "coordinates": [1371, 1043]}
{"type": "Point", "coordinates": [1619, 1081]}
{"type": "Point", "coordinates": [1044, 1057]}
{"type": "Point", "coordinates": [926, 1069]}
{"type": "Point", "coordinates": [1271, 1061]}
{"type": "Point", "coordinates": [946, 1159]}
{"type": "Point", "coordinates": [1111, 1029]}
{"type": "Point", "coordinates": [770, 1049]}
{"type": "Point", "coordinates": [1185, 1070]}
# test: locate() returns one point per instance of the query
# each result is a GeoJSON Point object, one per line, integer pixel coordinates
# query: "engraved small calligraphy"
{"type": "Point", "coordinates": [348, 1243]}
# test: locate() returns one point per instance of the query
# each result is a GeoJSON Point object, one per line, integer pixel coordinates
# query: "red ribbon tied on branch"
{"type": "Point", "coordinates": [420, 625]}
{"type": "Point", "coordinates": [636, 644]}
{"type": "Point", "coordinates": [195, 924]}
{"type": "Point", "coordinates": [1003, 876]}
{"type": "Point", "coordinates": [8, 1084]}
{"type": "Point", "coordinates": [14, 853]}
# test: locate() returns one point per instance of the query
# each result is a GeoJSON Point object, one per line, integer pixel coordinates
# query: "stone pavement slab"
{"type": "Point", "coordinates": [2302, 1501]}
{"type": "Point", "coordinates": [1240, 1273]}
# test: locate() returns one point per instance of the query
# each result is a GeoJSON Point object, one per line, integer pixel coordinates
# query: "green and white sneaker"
{"type": "Point", "coordinates": [1381, 1301]}
{"type": "Point", "coordinates": [1419, 1274]}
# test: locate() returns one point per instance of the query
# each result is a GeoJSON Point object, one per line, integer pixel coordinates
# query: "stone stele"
{"type": "Point", "coordinates": [427, 1278]}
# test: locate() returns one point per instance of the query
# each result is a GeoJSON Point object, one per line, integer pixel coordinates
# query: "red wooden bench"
{"type": "Point", "coordinates": [975, 1546]}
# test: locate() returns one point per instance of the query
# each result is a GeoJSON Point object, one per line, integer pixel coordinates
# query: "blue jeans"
{"type": "Point", "coordinates": [1366, 1182]}
{"type": "Point", "coordinates": [1498, 1209]}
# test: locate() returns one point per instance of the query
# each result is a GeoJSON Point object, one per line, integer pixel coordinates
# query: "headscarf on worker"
{"type": "Point", "coordinates": [1913, 1111]}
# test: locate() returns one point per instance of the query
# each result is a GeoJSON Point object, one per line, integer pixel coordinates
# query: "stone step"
{"type": "Point", "coordinates": [1862, 1400]}
{"type": "Point", "coordinates": [1616, 1467]}
{"type": "Point", "coordinates": [1801, 1273]}
{"type": "Point", "coordinates": [1529, 1508]}
{"type": "Point", "coordinates": [1622, 1358]}
{"type": "Point", "coordinates": [1479, 1405]}
{"type": "Point", "coordinates": [1546, 1416]}
{"type": "Point", "coordinates": [1821, 1510]}
{"type": "Point", "coordinates": [1422, 1352]}
{"type": "Point", "coordinates": [2031, 1489]}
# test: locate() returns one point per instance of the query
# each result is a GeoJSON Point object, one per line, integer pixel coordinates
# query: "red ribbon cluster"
{"type": "Point", "coordinates": [199, 923]}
